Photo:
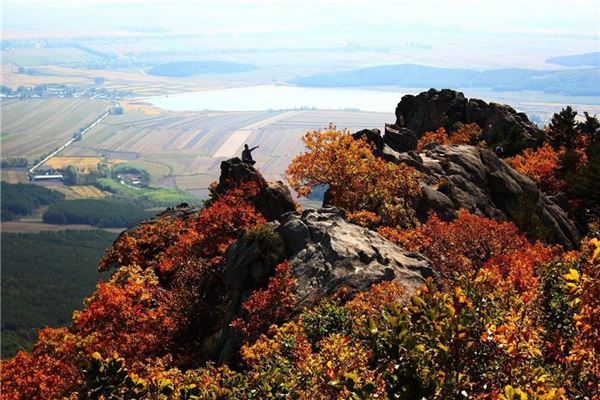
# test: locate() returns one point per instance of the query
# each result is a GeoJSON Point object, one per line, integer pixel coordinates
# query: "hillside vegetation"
{"type": "Point", "coordinates": [578, 82]}
{"type": "Point", "coordinates": [147, 197]}
{"type": "Point", "coordinates": [22, 199]}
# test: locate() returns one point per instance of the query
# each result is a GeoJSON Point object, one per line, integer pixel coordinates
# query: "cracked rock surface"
{"type": "Point", "coordinates": [461, 176]}
{"type": "Point", "coordinates": [327, 253]}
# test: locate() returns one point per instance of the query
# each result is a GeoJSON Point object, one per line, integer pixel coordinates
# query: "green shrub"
{"type": "Point", "coordinates": [324, 320]}
{"type": "Point", "coordinates": [271, 244]}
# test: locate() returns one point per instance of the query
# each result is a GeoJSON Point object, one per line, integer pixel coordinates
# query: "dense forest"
{"type": "Point", "coordinates": [22, 199]}
{"type": "Point", "coordinates": [101, 213]}
{"type": "Point", "coordinates": [45, 276]}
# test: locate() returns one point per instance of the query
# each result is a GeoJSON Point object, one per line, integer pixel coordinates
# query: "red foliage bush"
{"type": "Point", "coordinates": [461, 246]}
{"type": "Point", "coordinates": [268, 306]}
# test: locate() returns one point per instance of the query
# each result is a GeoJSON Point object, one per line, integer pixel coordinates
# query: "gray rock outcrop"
{"type": "Point", "coordinates": [433, 109]}
{"type": "Point", "coordinates": [328, 253]}
{"type": "Point", "coordinates": [273, 199]}
{"type": "Point", "coordinates": [461, 176]}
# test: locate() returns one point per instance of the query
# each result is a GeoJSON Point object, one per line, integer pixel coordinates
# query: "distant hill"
{"type": "Point", "coordinates": [580, 82]}
{"type": "Point", "coordinates": [188, 68]}
{"type": "Point", "coordinates": [577, 60]}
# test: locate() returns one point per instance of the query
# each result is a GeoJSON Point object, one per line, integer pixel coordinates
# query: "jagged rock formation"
{"type": "Point", "coordinates": [461, 176]}
{"type": "Point", "coordinates": [326, 254]}
{"type": "Point", "coordinates": [433, 109]}
{"type": "Point", "coordinates": [274, 198]}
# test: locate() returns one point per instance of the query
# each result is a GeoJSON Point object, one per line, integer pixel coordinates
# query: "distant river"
{"type": "Point", "coordinates": [274, 97]}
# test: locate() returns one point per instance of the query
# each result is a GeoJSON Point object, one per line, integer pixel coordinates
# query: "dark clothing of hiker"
{"type": "Point", "coordinates": [500, 151]}
{"type": "Point", "coordinates": [247, 155]}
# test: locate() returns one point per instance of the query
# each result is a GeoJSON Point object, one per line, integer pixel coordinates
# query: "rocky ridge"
{"type": "Point", "coordinates": [327, 254]}
{"type": "Point", "coordinates": [473, 178]}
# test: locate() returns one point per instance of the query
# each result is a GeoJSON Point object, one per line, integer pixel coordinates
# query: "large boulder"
{"type": "Point", "coordinates": [496, 118]}
{"type": "Point", "coordinates": [400, 139]}
{"type": "Point", "coordinates": [433, 109]}
{"type": "Point", "coordinates": [273, 199]}
{"type": "Point", "coordinates": [461, 176]}
{"type": "Point", "coordinates": [327, 253]}
{"type": "Point", "coordinates": [430, 110]}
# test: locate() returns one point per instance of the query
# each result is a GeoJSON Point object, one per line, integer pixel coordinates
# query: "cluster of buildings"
{"type": "Point", "coordinates": [62, 91]}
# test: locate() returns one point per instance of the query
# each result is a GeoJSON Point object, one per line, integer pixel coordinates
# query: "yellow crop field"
{"type": "Point", "coordinates": [77, 162]}
{"type": "Point", "coordinates": [80, 162]}
{"type": "Point", "coordinates": [88, 192]}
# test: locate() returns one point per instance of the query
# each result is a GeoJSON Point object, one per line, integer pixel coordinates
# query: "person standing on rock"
{"type": "Point", "coordinates": [247, 155]}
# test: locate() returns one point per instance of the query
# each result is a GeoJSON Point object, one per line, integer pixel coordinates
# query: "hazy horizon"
{"type": "Point", "coordinates": [458, 34]}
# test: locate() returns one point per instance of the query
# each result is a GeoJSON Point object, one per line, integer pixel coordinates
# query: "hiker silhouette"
{"type": "Point", "coordinates": [247, 154]}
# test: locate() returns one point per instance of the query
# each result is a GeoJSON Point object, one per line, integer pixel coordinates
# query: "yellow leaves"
{"type": "Point", "coordinates": [572, 276]}
{"type": "Point", "coordinates": [443, 347]}
{"type": "Point", "coordinates": [596, 251]}
{"type": "Point", "coordinates": [511, 393]}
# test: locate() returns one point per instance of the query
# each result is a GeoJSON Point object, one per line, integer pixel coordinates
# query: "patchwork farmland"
{"type": "Point", "coordinates": [184, 149]}
{"type": "Point", "coordinates": [33, 127]}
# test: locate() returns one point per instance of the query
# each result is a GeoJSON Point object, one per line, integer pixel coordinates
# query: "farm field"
{"type": "Point", "coordinates": [34, 227]}
{"type": "Point", "coordinates": [14, 175]}
{"type": "Point", "coordinates": [184, 149]}
{"type": "Point", "coordinates": [33, 127]}
{"type": "Point", "coordinates": [80, 162]}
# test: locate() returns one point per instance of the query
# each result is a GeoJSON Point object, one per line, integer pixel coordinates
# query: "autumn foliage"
{"type": "Point", "coordinates": [507, 319]}
{"type": "Point", "coordinates": [542, 166]}
{"type": "Point", "coordinates": [357, 179]}
{"type": "Point", "coordinates": [268, 306]}
{"type": "Point", "coordinates": [463, 134]}
{"type": "Point", "coordinates": [463, 245]}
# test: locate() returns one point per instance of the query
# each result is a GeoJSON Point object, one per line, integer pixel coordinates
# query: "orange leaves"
{"type": "Point", "coordinates": [518, 269]}
{"type": "Point", "coordinates": [215, 228]}
{"type": "Point", "coordinates": [367, 219]}
{"type": "Point", "coordinates": [37, 377]}
{"type": "Point", "coordinates": [357, 179]}
{"type": "Point", "coordinates": [143, 245]}
{"type": "Point", "coordinates": [542, 166]}
{"type": "Point", "coordinates": [438, 137]}
{"type": "Point", "coordinates": [584, 287]}
{"type": "Point", "coordinates": [268, 306]}
{"type": "Point", "coordinates": [462, 245]}
{"type": "Point", "coordinates": [129, 315]}
{"type": "Point", "coordinates": [164, 244]}
{"type": "Point", "coordinates": [464, 134]}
